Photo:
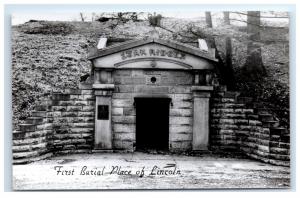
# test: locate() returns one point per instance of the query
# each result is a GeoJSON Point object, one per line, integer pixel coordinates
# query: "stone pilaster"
{"type": "Point", "coordinates": [201, 95]}
{"type": "Point", "coordinates": [103, 124]}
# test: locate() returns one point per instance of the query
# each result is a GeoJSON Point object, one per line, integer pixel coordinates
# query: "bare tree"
{"type": "Point", "coordinates": [226, 18]}
{"type": "Point", "coordinates": [225, 70]}
{"type": "Point", "coordinates": [82, 17]}
{"type": "Point", "coordinates": [93, 16]}
{"type": "Point", "coordinates": [253, 25]}
{"type": "Point", "coordinates": [208, 19]}
{"type": "Point", "coordinates": [228, 45]}
{"type": "Point", "coordinates": [253, 68]}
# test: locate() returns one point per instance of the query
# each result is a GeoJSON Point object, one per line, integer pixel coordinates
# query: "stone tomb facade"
{"type": "Point", "coordinates": [152, 94]}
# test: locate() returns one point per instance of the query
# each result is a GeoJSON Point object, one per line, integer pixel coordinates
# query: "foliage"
{"type": "Point", "coordinates": [42, 64]}
{"type": "Point", "coordinates": [154, 20]}
{"type": "Point", "coordinates": [54, 28]}
{"type": "Point", "coordinates": [47, 57]}
{"type": "Point", "coordinates": [270, 85]}
{"type": "Point", "coordinates": [126, 16]}
{"type": "Point", "coordinates": [271, 93]}
{"type": "Point", "coordinates": [119, 18]}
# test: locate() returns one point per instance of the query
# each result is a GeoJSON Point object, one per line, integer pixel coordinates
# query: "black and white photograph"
{"type": "Point", "coordinates": [151, 100]}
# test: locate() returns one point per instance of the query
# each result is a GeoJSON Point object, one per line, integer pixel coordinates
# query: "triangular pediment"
{"type": "Point", "coordinates": [152, 53]}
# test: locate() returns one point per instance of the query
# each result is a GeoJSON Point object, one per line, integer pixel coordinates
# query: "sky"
{"type": "Point", "coordinates": [20, 18]}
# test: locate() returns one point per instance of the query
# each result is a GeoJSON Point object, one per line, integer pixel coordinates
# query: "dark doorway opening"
{"type": "Point", "coordinates": [152, 123]}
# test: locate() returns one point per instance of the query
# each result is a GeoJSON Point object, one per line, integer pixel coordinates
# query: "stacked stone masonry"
{"type": "Point", "coordinates": [152, 68]}
{"type": "Point", "coordinates": [73, 121]}
{"type": "Point", "coordinates": [32, 141]}
{"type": "Point", "coordinates": [65, 124]}
{"type": "Point", "coordinates": [238, 126]}
{"type": "Point", "coordinates": [172, 84]}
{"type": "Point", "coordinates": [62, 124]}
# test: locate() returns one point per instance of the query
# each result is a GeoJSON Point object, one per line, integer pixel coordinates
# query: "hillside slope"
{"type": "Point", "coordinates": [52, 56]}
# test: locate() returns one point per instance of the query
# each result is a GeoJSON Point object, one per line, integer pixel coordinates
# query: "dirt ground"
{"type": "Point", "coordinates": [147, 171]}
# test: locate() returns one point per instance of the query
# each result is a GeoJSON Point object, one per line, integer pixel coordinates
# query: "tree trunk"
{"type": "Point", "coordinates": [228, 51]}
{"type": "Point", "coordinates": [208, 19]}
{"type": "Point", "coordinates": [224, 72]}
{"type": "Point", "coordinates": [230, 78]}
{"type": "Point", "coordinates": [224, 69]}
{"type": "Point", "coordinates": [82, 17]}
{"type": "Point", "coordinates": [228, 70]}
{"type": "Point", "coordinates": [253, 69]}
{"type": "Point", "coordinates": [226, 18]}
{"type": "Point", "coordinates": [253, 25]}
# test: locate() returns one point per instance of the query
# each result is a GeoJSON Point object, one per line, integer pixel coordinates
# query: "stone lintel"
{"type": "Point", "coordinates": [85, 86]}
{"type": "Point", "coordinates": [104, 86]}
{"type": "Point", "coordinates": [202, 88]}
{"type": "Point", "coordinates": [103, 92]}
{"type": "Point", "coordinates": [202, 91]}
{"type": "Point", "coordinates": [201, 94]}
{"type": "Point", "coordinates": [200, 148]}
{"type": "Point", "coordinates": [102, 150]}
{"type": "Point", "coordinates": [103, 69]}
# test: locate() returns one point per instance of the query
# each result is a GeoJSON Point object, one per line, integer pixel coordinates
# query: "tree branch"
{"type": "Point", "coordinates": [283, 17]}
{"type": "Point", "coordinates": [175, 32]}
{"type": "Point", "coordinates": [245, 22]}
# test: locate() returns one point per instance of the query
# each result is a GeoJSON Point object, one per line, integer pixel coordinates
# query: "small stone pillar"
{"type": "Point", "coordinates": [201, 95]}
{"type": "Point", "coordinates": [103, 126]}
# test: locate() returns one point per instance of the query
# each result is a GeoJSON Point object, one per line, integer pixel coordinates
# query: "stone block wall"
{"type": "Point", "coordinates": [64, 123]}
{"type": "Point", "coordinates": [31, 142]}
{"type": "Point", "coordinates": [135, 83]}
{"type": "Point", "coordinates": [238, 126]}
{"type": "Point", "coordinates": [73, 121]}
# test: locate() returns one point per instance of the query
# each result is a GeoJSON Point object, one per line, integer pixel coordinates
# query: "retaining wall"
{"type": "Point", "coordinates": [237, 126]}
{"type": "Point", "coordinates": [65, 123]}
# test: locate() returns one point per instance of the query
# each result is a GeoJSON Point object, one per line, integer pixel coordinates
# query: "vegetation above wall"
{"type": "Point", "coordinates": [51, 56]}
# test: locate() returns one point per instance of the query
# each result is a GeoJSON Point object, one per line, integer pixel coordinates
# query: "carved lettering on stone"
{"type": "Point", "coordinates": [128, 54]}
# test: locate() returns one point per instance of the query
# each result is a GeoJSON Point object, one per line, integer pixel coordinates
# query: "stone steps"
{"type": "Point", "coordinates": [252, 116]}
{"type": "Point", "coordinates": [285, 138]}
{"type": "Point", "coordinates": [29, 141]}
{"type": "Point", "coordinates": [258, 105]}
{"type": "Point", "coordinates": [39, 113]}
{"type": "Point", "coordinates": [228, 105]}
{"type": "Point", "coordinates": [266, 117]}
{"type": "Point", "coordinates": [32, 159]}
{"type": "Point", "coordinates": [20, 135]}
{"type": "Point", "coordinates": [245, 100]}
{"type": "Point", "coordinates": [17, 134]}
{"type": "Point", "coordinates": [261, 110]}
{"type": "Point", "coordinates": [29, 147]}
{"type": "Point", "coordinates": [256, 131]}
{"type": "Point", "coordinates": [42, 108]}
{"type": "Point", "coordinates": [27, 127]}
{"type": "Point", "coordinates": [271, 123]}
{"type": "Point", "coordinates": [278, 131]}
{"type": "Point", "coordinates": [34, 120]}
{"type": "Point", "coordinates": [28, 154]}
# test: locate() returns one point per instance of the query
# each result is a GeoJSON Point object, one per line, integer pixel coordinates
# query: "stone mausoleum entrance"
{"type": "Point", "coordinates": [152, 94]}
{"type": "Point", "coordinates": [152, 123]}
